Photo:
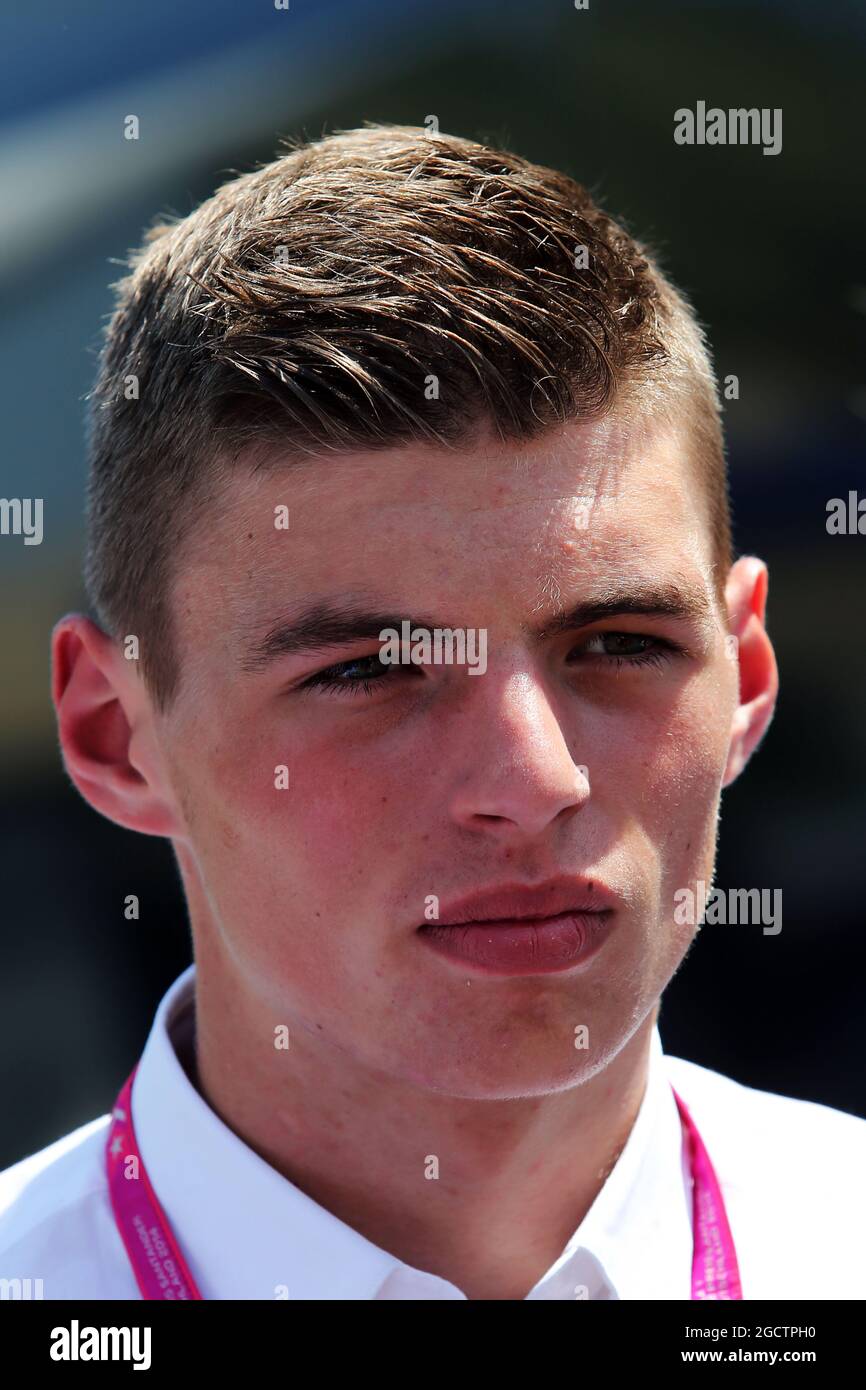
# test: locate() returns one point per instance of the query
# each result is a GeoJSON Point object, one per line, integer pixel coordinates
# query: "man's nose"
{"type": "Point", "coordinates": [519, 774]}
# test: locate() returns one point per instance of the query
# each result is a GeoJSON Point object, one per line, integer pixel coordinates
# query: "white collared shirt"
{"type": "Point", "coordinates": [791, 1173]}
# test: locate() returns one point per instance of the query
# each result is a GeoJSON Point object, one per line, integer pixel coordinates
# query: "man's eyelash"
{"type": "Point", "coordinates": [323, 682]}
{"type": "Point", "coordinates": [661, 652]}
{"type": "Point", "coordinates": [655, 658]}
{"type": "Point", "coordinates": [326, 680]}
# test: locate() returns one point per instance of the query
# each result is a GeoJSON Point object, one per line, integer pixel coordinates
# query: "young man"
{"type": "Point", "coordinates": [389, 379]}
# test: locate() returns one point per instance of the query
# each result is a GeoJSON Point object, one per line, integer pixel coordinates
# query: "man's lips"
{"type": "Point", "coordinates": [524, 901]}
{"type": "Point", "coordinates": [521, 929]}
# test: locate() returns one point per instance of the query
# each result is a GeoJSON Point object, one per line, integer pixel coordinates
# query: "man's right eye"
{"type": "Point", "coordinates": [361, 673]}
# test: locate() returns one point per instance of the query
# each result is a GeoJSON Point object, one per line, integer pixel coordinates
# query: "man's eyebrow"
{"type": "Point", "coordinates": [642, 599]}
{"type": "Point", "coordinates": [322, 626]}
{"type": "Point", "coordinates": [325, 625]}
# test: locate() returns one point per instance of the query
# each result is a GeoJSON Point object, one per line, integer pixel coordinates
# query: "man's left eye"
{"type": "Point", "coordinates": [629, 648]}
{"type": "Point", "coordinates": [359, 673]}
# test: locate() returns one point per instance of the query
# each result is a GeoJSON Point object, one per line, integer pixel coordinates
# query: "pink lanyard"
{"type": "Point", "coordinates": [162, 1272]}
{"type": "Point", "coordinates": [715, 1272]}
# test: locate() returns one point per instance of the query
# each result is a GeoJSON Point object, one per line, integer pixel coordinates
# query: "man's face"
{"type": "Point", "coordinates": [442, 782]}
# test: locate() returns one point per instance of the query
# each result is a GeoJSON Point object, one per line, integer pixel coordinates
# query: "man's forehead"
{"type": "Point", "coordinates": [609, 496]}
{"type": "Point", "coordinates": [613, 459]}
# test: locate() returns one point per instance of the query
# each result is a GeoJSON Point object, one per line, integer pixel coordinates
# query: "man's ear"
{"type": "Point", "coordinates": [105, 724]}
{"type": "Point", "coordinates": [746, 598]}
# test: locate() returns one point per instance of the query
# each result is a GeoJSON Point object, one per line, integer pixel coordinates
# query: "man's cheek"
{"type": "Point", "coordinates": [682, 759]}
{"type": "Point", "coordinates": [683, 802]}
{"type": "Point", "coordinates": [258, 781]}
{"type": "Point", "coordinates": [352, 821]}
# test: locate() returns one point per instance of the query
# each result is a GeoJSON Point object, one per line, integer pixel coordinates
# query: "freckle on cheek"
{"type": "Point", "coordinates": [228, 835]}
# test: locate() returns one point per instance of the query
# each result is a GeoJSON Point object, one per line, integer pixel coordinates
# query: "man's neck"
{"type": "Point", "coordinates": [516, 1176]}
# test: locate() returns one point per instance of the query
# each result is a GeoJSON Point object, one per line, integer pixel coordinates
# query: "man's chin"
{"type": "Point", "coordinates": [489, 1075]}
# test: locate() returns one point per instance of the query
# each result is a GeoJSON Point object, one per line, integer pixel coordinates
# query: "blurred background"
{"type": "Point", "coordinates": [770, 249]}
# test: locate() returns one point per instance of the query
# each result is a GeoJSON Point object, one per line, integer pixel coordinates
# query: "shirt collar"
{"type": "Point", "coordinates": [248, 1233]}
{"type": "Point", "coordinates": [639, 1228]}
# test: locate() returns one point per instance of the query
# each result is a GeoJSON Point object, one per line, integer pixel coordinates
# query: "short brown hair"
{"type": "Point", "coordinates": [308, 303]}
